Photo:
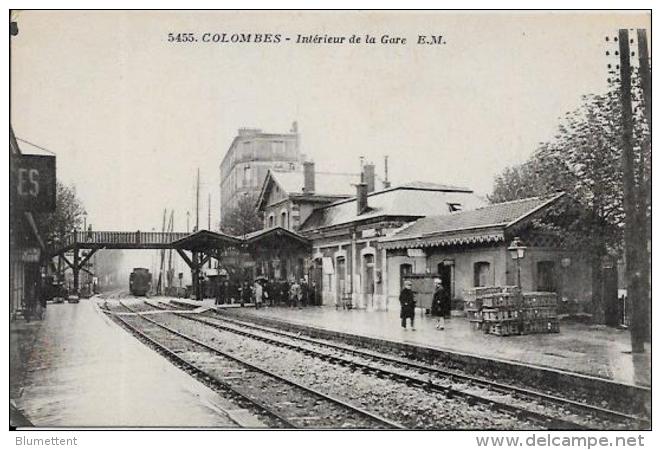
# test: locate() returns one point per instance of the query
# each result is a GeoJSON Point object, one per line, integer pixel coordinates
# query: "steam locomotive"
{"type": "Point", "coordinates": [140, 281]}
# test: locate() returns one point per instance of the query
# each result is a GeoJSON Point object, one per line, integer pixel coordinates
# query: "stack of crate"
{"type": "Point", "coordinates": [475, 308]}
{"type": "Point", "coordinates": [500, 311]}
{"type": "Point", "coordinates": [473, 304]}
{"type": "Point", "coordinates": [539, 313]}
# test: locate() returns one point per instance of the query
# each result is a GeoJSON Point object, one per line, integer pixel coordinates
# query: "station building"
{"type": "Point", "coordinates": [357, 247]}
{"type": "Point", "coordinates": [473, 248]}
{"type": "Point", "coordinates": [286, 200]}
{"type": "Point", "coordinates": [26, 247]}
{"type": "Point", "coordinates": [348, 263]}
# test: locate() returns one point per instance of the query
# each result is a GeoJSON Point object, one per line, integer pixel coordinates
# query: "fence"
{"type": "Point", "coordinates": [129, 238]}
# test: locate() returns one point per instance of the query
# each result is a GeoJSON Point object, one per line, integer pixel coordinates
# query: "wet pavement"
{"type": "Point", "coordinates": [592, 350]}
{"type": "Point", "coordinates": [77, 368]}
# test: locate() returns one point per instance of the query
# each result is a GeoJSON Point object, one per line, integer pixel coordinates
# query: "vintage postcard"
{"type": "Point", "coordinates": [331, 220]}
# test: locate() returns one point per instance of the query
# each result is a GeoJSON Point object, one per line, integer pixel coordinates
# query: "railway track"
{"type": "Point", "coordinates": [551, 411]}
{"type": "Point", "coordinates": [287, 403]}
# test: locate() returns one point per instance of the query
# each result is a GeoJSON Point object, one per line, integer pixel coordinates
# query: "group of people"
{"type": "Point", "coordinates": [440, 306]}
{"type": "Point", "coordinates": [262, 292]}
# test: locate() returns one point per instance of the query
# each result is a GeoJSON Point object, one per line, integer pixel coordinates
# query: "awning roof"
{"type": "Point", "coordinates": [204, 240]}
{"type": "Point", "coordinates": [276, 236]}
{"type": "Point", "coordinates": [482, 225]}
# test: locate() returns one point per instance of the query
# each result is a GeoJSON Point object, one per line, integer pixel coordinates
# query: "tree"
{"type": "Point", "coordinates": [68, 215]}
{"type": "Point", "coordinates": [584, 160]}
{"type": "Point", "coordinates": [242, 218]}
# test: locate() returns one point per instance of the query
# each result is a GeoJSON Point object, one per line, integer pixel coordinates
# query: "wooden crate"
{"type": "Point", "coordinates": [533, 299]}
{"type": "Point", "coordinates": [536, 326]}
{"type": "Point", "coordinates": [501, 300]}
{"type": "Point", "coordinates": [473, 304]}
{"type": "Point", "coordinates": [476, 324]}
{"type": "Point", "coordinates": [503, 328]}
{"type": "Point", "coordinates": [542, 312]}
{"type": "Point", "coordinates": [498, 314]}
{"type": "Point", "coordinates": [474, 315]}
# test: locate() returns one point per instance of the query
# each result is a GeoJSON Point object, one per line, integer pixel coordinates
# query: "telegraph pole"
{"type": "Point", "coordinates": [209, 221]}
{"type": "Point", "coordinates": [630, 238]}
{"type": "Point", "coordinates": [645, 73]}
{"type": "Point", "coordinates": [159, 286]}
{"type": "Point", "coordinates": [197, 202]}
{"type": "Point", "coordinates": [645, 184]}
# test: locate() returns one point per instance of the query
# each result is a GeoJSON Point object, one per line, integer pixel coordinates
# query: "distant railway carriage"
{"type": "Point", "coordinates": [140, 281]}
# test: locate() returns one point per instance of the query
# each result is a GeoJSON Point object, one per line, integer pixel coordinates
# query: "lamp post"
{"type": "Point", "coordinates": [517, 251]}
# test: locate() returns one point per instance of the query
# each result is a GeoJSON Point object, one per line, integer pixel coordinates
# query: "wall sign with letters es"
{"type": "Point", "coordinates": [33, 182]}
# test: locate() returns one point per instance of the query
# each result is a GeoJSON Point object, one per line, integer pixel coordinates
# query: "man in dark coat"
{"type": "Point", "coordinates": [440, 305]}
{"type": "Point", "coordinates": [407, 302]}
{"type": "Point", "coordinates": [246, 293]}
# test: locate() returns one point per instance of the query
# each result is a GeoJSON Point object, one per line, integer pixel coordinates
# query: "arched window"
{"type": "Point", "coordinates": [341, 264]}
{"type": "Point", "coordinates": [283, 219]}
{"type": "Point", "coordinates": [481, 274]}
{"type": "Point", "coordinates": [271, 220]}
{"type": "Point", "coordinates": [368, 273]}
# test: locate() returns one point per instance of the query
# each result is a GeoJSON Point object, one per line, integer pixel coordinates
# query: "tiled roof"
{"type": "Point", "coordinates": [433, 186]}
{"type": "Point", "coordinates": [486, 223]}
{"type": "Point", "coordinates": [399, 201]}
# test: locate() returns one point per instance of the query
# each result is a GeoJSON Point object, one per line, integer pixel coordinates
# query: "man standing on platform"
{"type": "Point", "coordinates": [259, 294]}
{"type": "Point", "coordinates": [407, 302]}
{"type": "Point", "coordinates": [440, 305]}
{"type": "Point", "coordinates": [294, 294]}
{"type": "Point", "coordinates": [305, 292]}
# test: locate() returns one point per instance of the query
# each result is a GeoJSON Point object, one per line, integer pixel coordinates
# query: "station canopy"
{"type": "Point", "coordinates": [205, 240]}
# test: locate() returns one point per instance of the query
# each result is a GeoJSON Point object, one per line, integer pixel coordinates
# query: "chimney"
{"type": "Point", "coordinates": [361, 195]}
{"type": "Point", "coordinates": [386, 182]}
{"type": "Point", "coordinates": [368, 170]}
{"type": "Point", "coordinates": [308, 177]}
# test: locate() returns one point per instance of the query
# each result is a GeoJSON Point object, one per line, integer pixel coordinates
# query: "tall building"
{"type": "Point", "coordinates": [249, 158]}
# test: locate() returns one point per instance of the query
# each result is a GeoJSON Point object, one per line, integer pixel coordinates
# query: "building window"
{"type": "Point", "coordinates": [271, 220]}
{"type": "Point", "coordinates": [481, 274]}
{"type": "Point", "coordinates": [328, 271]}
{"type": "Point", "coordinates": [284, 223]}
{"type": "Point", "coordinates": [368, 274]}
{"type": "Point", "coordinates": [247, 176]}
{"type": "Point", "coordinates": [546, 281]}
{"type": "Point", "coordinates": [341, 276]}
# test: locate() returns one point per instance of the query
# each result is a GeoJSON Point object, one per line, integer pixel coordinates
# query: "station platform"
{"type": "Point", "coordinates": [590, 350]}
{"type": "Point", "coordinates": [77, 368]}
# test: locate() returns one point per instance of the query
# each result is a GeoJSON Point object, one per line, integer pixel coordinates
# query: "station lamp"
{"type": "Point", "coordinates": [518, 252]}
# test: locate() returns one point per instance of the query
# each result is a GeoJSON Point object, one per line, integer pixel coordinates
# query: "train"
{"type": "Point", "coordinates": [140, 281]}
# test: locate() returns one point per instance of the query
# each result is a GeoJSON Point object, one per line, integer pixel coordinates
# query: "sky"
{"type": "Point", "coordinates": [132, 116]}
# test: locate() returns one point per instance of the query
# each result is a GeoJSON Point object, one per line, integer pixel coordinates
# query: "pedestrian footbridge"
{"type": "Point", "coordinates": [202, 245]}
